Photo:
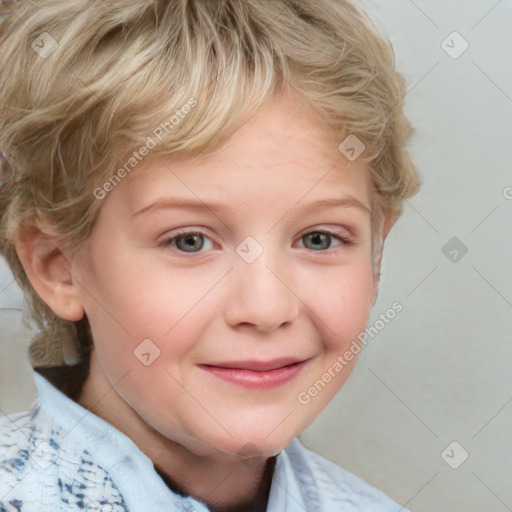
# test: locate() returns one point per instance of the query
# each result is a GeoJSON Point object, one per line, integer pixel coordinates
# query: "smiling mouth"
{"type": "Point", "coordinates": [257, 374]}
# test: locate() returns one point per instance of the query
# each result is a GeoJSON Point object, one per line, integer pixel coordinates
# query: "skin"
{"type": "Point", "coordinates": [305, 296]}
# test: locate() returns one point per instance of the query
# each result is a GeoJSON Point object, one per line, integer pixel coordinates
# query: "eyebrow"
{"type": "Point", "coordinates": [192, 204]}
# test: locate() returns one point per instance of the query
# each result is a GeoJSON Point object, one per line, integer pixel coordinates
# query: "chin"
{"type": "Point", "coordinates": [255, 444]}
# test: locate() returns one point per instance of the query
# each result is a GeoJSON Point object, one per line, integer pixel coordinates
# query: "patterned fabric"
{"type": "Point", "coordinates": [59, 456]}
{"type": "Point", "coordinates": [39, 471]}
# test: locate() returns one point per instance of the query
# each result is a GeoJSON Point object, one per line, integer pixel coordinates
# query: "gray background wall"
{"type": "Point", "coordinates": [439, 372]}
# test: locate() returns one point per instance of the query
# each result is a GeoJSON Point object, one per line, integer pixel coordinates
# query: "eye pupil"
{"type": "Point", "coordinates": [190, 242]}
{"type": "Point", "coordinates": [316, 238]}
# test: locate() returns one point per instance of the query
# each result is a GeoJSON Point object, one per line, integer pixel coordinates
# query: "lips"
{"type": "Point", "coordinates": [257, 366]}
{"type": "Point", "coordinates": [257, 374]}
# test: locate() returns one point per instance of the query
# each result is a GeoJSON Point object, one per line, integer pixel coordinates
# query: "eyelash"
{"type": "Point", "coordinates": [347, 242]}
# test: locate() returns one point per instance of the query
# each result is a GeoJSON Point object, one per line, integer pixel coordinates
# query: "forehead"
{"type": "Point", "coordinates": [288, 148]}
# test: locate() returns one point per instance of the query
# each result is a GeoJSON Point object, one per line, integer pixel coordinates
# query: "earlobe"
{"type": "Point", "coordinates": [49, 272]}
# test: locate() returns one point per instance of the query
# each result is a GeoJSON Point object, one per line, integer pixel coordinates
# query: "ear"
{"type": "Point", "coordinates": [388, 224]}
{"type": "Point", "coordinates": [386, 228]}
{"type": "Point", "coordinates": [49, 272]}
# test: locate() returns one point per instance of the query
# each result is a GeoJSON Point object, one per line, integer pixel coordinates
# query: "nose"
{"type": "Point", "coordinates": [262, 294]}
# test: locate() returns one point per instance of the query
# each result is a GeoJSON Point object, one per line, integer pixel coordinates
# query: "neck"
{"type": "Point", "coordinates": [224, 483]}
{"type": "Point", "coordinates": [217, 503]}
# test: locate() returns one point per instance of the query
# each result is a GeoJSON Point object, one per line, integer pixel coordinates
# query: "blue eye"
{"type": "Point", "coordinates": [192, 242]}
{"type": "Point", "coordinates": [186, 241]}
{"type": "Point", "coordinates": [323, 239]}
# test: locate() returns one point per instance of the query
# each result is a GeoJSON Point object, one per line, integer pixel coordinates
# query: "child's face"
{"type": "Point", "coordinates": [209, 308]}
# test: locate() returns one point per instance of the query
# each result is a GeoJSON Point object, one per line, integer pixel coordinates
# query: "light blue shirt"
{"type": "Point", "coordinates": [59, 456]}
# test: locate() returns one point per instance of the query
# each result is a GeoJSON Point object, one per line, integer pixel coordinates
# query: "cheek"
{"type": "Point", "coordinates": [356, 295]}
{"type": "Point", "coordinates": [342, 302]}
{"type": "Point", "coordinates": [129, 300]}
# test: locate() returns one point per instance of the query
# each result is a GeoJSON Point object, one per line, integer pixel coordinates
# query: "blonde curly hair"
{"type": "Point", "coordinates": [112, 71]}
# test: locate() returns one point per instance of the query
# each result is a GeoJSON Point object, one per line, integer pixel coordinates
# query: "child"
{"type": "Point", "coordinates": [269, 133]}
